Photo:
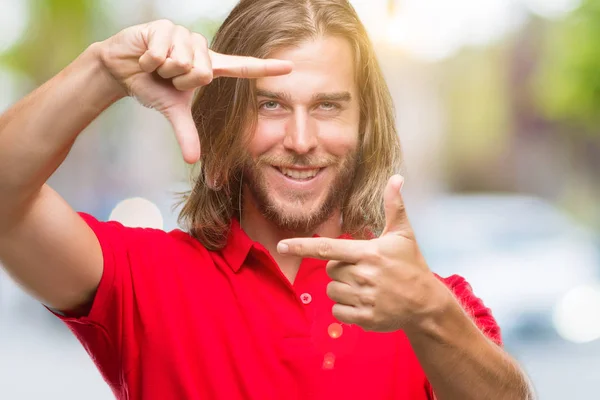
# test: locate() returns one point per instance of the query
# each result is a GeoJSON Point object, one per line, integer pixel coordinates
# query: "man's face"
{"type": "Point", "coordinates": [304, 150]}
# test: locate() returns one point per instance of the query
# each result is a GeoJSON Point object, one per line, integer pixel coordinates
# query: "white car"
{"type": "Point", "coordinates": [520, 254]}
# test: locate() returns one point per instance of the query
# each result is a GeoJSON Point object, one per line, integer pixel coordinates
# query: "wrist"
{"type": "Point", "coordinates": [109, 88]}
{"type": "Point", "coordinates": [440, 307]}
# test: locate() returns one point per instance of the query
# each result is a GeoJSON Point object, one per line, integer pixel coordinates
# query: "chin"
{"type": "Point", "coordinates": [297, 203]}
{"type": "Point", "coordinates": [296, 216]}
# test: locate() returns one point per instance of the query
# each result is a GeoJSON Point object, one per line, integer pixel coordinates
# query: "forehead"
{"type": "Point", "coordinates": [324, 64]}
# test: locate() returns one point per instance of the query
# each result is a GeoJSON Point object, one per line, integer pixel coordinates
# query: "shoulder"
{"type": "Point", "coordinates": [116, 237]}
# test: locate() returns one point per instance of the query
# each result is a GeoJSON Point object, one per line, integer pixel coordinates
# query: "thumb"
{"type": "Point", "coordinates": [180, 117]}
{"type": "Point", "coordinates": [396, 220]}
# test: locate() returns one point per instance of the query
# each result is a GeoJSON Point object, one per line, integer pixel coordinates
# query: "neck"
{"type": "Point", "coordinates": [264, 231]}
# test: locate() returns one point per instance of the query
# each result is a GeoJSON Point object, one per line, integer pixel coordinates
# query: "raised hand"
{"type": "Point", "coordinates": [161, 64]}
{"type": "Point", "coordinates": [381, 284]}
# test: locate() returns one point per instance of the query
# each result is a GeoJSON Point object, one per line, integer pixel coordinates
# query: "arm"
{"type": "Point", "coordinates": [460, 361]}
{"type": "Point", "coordinates": [44, 245]}
{"type": "Point", "coordinates": [385, 285]}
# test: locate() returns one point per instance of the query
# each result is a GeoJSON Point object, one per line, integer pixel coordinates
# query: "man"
{"type": "Point", "coordinates": [300, 276]}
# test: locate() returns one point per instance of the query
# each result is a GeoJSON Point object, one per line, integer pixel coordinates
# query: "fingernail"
{"type": "Point", "coordinates": [401, 183]}
{"type": "Point", "coordinates": [282, 248]}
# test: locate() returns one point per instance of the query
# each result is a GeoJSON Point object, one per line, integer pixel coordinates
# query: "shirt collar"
{"type": "Point", "coordinates": [239, 245]}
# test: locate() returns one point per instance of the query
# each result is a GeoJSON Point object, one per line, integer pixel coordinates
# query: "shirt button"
{"type": "Point", "coordinates": [306, 298]}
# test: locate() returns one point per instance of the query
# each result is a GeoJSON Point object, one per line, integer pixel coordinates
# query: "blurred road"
{"type": "Point", "coordinates": [561, 370]}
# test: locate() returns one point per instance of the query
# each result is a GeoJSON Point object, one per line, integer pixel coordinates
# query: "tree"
{"type": "Point", "coordinates": [567, 88]}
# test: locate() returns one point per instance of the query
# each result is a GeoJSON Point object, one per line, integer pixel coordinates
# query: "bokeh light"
{"type": "Point", "coordinates": [577, 314]}
{"type": "Point", "coordinates": [335, 330]}
{"type": "Point", "coordinates": [329, 361]}
{"type": "Point", "coordinates": [137, 212]}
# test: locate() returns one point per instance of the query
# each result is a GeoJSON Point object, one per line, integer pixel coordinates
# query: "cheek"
{"type": "Point", "coordinates": [268, 134]}
{"type": "Point", "coordinates": [339, 140]}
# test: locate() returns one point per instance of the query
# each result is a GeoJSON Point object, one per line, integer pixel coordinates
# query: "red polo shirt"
{"type": "Point", "coordinates": [172, 320]}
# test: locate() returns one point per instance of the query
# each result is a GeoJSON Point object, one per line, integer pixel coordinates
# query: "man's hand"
{"type": "Point", "coordinates": [161, 64]}
{"type": "Point", "coordinates": [381, 284]}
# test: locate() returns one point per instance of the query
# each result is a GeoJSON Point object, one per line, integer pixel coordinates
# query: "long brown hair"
{"type": "Point", "coordinates": [225, 114]}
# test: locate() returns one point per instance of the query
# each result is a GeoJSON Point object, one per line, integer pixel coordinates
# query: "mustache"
{"type": "Point", "coordinates": [297, 160]}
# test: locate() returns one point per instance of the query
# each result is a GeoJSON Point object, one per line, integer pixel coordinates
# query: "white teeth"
{"type": "Point", "coordinates": [305, 174]}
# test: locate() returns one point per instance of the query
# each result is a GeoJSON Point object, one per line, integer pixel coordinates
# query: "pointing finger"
{"type": "Point", "coordinates": [247, 67]}
{"type": "Point", "coordinates": [350, 251]}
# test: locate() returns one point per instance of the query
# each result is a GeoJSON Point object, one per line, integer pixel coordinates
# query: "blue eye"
{"type": "Point", "coordinates": [270, 105]}
{"type": "Point", "coordinates": [328, 106]}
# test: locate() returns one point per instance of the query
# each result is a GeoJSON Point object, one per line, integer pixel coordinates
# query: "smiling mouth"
{"type": "Point", "coordinates": [299, 175]}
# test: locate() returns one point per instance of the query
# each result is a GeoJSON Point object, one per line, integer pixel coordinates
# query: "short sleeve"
{"type": "Point", "coordinates": [474, 306]}
{"type": "Point", "coordinates": [105, 330]}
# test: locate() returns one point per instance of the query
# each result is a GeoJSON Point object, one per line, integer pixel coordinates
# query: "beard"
{"type": "Point", "coordinates": [294, 216]}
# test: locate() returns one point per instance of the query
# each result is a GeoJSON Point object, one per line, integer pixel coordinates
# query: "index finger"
{"type": "Point", "coordinates": [247, 67]}
{"type": "Point", "coordinates": [350, 251]}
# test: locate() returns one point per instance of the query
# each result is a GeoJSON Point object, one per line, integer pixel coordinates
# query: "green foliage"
{"type": "Point", "coordinates": [568, 84]}
{"type": "Point", "coordinates": [58, 31]}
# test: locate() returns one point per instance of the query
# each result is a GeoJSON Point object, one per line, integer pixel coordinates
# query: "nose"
{"type": "Point", "coordinates": [301, 133]}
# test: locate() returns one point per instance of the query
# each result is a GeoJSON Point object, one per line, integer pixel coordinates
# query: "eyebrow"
{"type": "Point", "coordinates": [334, 96]}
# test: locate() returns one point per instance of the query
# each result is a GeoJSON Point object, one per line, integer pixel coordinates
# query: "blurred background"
{"type": "Point", "coordinates": [498, 106]}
